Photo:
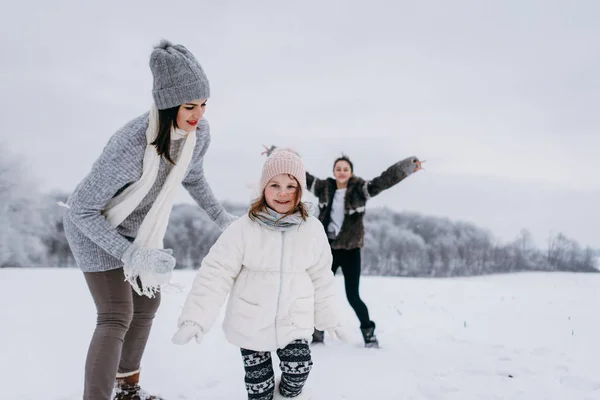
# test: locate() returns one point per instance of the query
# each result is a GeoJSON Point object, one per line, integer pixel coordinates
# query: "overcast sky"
{"type": "Point", "coordinates": [501, 97]}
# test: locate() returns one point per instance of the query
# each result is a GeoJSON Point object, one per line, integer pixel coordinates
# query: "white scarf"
{"type": "Point", "coordinates": [153, 227]}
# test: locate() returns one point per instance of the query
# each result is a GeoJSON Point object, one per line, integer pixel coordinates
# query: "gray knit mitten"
{"type": "Point", "coordinates": [152, 260]}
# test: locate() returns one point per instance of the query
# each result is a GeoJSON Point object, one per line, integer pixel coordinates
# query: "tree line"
{"type": "Point", "coordinates": [396, 243]}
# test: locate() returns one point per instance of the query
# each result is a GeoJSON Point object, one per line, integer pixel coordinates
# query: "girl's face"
{"type": "Point", "coordinates": [280, 193]}
{"type": "Point", "coordinates": [342, 171]}
{"type": "Point", "coordinates": [189, 114]}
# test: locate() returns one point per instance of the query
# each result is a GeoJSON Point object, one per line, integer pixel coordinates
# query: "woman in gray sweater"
{"type": "Point", "coordinates": [117, 216]}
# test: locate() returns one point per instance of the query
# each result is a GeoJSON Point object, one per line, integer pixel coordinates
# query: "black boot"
{"type": "Point", "coordinates": [318, 337]}
{"type": "Point", "coordinates": [369, 336]}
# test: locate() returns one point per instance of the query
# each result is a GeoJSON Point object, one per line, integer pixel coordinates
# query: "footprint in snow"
{"type": "Point", "coordinates": [576, 382]}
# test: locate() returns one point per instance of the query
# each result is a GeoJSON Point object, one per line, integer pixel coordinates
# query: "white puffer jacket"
{"type": "Point", "coordinates": [280, 282]}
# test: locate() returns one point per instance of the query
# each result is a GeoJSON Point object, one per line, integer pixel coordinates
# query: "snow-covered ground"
{"type": "Point", "coordinates": [524, 336]}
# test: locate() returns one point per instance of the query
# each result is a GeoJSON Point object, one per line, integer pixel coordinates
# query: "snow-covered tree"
{"type": "Point", "coordinates": [20, 222]}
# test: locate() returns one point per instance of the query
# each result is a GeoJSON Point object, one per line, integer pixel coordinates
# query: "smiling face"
{"type": "Point", "coordinates": [281, 193]}
{"type": "Point", "coordinates": [189, 114]}
{"type": "Point", "coordinates": [342, 171]}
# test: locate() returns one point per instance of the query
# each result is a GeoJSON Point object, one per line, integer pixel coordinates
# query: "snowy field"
{"type": "Point", "coordinates": [524, 336]}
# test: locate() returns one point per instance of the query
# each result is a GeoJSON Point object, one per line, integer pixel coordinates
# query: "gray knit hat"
{"type": "Point", "coordinates": [178, 76]}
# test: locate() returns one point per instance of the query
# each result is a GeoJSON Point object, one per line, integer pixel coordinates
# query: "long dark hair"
{"type": "Point", "coordinates": [344, 158]}
{"type": "Point", "coordinates": [167, 120]}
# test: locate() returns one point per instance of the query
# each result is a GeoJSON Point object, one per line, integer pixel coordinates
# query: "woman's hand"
{"type": "Point", "coordinates": [146, 259]}
{"type": "Point", "coordinates": [417, 165]}
{"type": "Point", "coordinates": [410, 165]}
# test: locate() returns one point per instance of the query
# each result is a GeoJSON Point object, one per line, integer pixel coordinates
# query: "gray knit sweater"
{"type": "Point", "coordinates": [97, 246]}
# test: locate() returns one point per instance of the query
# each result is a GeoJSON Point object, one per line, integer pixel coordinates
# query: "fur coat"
{"type": "Point", "coordinates": [352, 233]}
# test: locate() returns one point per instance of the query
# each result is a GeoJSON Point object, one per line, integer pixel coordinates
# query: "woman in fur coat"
{"type": "Point", "coordinates": [342, 201]}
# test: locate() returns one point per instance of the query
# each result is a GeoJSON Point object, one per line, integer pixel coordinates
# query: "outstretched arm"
{"type": "Point", "coordinates": [201, 192]}
{"type": "Point", "coordinates": [315, 185]}
{"type": "Point", "coordinates": [392, 176]}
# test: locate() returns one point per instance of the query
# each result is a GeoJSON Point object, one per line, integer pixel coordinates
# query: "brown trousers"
{"type": "Point", "coordinates": [122, 330]}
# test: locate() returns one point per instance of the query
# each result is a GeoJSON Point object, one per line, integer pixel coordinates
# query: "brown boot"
{"type": "Point", "coordinates": [128, 388]}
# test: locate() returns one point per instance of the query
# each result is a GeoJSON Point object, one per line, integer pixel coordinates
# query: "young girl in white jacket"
{"type": "Point", "coordinates": [276, 262]}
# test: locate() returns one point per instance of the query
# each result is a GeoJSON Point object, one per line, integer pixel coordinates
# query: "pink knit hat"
{"type": "Point", "coordinates": [283, 161]}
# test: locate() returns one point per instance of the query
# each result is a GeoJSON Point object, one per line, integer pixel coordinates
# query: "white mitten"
{"type": "Point", "coordinates": [338, 333]}
{"type": "Point", "coordinates": [186, 332]}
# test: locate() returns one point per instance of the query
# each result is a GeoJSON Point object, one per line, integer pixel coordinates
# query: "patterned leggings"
{"type": "Point", "coordinates": [295, 364]}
